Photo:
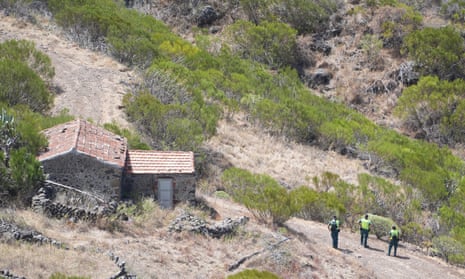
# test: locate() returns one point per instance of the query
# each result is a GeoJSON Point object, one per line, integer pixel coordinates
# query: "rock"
{"type": "Point", "coordinates": [207, 16]}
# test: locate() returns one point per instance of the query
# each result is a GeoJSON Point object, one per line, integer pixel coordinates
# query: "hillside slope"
{"type": "Point", "coordinates": [91, 87]}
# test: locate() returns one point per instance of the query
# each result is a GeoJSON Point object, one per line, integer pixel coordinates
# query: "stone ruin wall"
{"type": "Point", "coordinates": [145, 185]}
{"type": "Point", "coordinates": [85, 173]}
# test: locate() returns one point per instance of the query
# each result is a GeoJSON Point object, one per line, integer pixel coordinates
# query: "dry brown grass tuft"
{"type": "Point", "coordinates": [32, 261]}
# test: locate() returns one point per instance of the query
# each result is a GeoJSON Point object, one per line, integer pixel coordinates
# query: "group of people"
{"type": "Point", "coordinates": [365, 226]}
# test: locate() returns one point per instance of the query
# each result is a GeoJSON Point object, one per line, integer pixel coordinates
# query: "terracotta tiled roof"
{"type": "Point", "coordinates": [84, 137]}
{"type": "Point", "coordinates": [159, 162]}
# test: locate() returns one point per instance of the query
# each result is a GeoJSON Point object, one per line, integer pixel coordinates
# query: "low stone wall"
{"type": "Point", "coordinates": [44, 203]}
{"type": "Point", "coordinates": [10, 231]}
{"type": "Point", "coordinates": [188, 222]}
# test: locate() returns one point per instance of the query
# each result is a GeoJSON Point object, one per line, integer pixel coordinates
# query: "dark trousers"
{"type": "Point", "coordinates": [335, 238]}
{"type": "Point", "coordinates": [393, 243]}
{"type": "Point", "coordinates": [364, 237]}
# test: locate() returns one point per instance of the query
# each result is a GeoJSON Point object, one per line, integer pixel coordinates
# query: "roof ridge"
{"type": "Point", "coordinates": [77, 134]}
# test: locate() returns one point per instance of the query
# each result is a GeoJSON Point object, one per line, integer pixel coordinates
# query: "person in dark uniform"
{"type": "Point", "coordinates": [393, 240]}
{"type": "Point", "coordinates": [365, 225]}
{"type": "Point", "coordinates": [333, 227]}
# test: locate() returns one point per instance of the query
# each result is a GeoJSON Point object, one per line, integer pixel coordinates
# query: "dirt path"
{"type": "Point", "coordinates": [91, 84]}
{"type": "Point", "coordinates": [408, 264]}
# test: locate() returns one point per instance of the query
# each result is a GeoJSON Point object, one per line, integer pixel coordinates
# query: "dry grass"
{"type": "Point", "coordinates": [289, 163]}
{"type": "Point", "coordinates": [32, 261]}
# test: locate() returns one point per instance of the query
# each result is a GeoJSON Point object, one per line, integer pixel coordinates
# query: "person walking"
{"type": "Point", "coordinates": [365, 226]}
{"type": "Point", "coordinates": [333, 227]}
{"type": "Point", "coordinates": [393, 240]}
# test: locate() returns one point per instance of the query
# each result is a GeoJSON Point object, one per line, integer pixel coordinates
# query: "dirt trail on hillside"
{"type": "Point", "coordinates": [91, 85]}
{"type": "Point", "coordinates": [409, 263]}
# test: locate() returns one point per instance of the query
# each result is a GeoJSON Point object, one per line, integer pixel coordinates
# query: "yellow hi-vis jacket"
{"type": "Point", "coordinates": [365, 223]}
{"type": "Point", "coordinates": [393, 233]}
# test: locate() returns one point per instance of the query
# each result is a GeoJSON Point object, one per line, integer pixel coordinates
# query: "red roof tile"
{"type": "Point", "coordinates": [159, 162]}
{"type": "Point", "coordinates": [84, 137]}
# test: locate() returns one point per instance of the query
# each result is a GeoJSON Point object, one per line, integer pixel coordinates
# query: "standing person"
{"type": "Point", "coordinates": [393, 240]}
{"type": "Point", "coordinates": [333, 226]}
{"type": "Point", "coordinates": [365, 225]}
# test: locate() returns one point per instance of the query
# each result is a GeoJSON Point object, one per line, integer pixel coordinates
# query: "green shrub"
{"type": "Point", "coordinates": [25, 52]}
{"type": "Point", "coordinates": [262, 195]}
{"type": "Point", "coordinates": [416, 234]}
{"type": "Point", "coordinates": [312, 205]}
{"type": "Point", "coordinates": [454, 10]}
{"type": "Point", "coordinates": [449, 249]}
{"type": "Point", "coordinates": [397, 23]}
{"type": "Point", "coordinates": [380, 226]}
{"type": "Point", "coordinates": [436, 51]}
{"type": "Point", "coordinates": [270, 43]}
{"type": "Point", "coordinates": [59, 275]}
{"type": "Point", "coordinates": [21, 172]}
{"type": "Point", "coordinates": [22, 86]}
{"type": "Point", "coordinates": [436, 107]}
{"type": "Point", "coordinates": [253, 274]}
{"type": "Point", "coordinates": [307, 16]}
{"type": "Point", "coordinates": [134, 140]}
{"type": "Point", "coordinates": [258, 10]}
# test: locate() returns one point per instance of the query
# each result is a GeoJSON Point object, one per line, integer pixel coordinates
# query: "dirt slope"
{"type": "Point", "coordinates": [92, 87]}
{"type": "Point", "coordinates": [410, 262]}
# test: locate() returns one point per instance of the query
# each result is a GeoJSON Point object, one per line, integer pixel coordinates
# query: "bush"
{"type": "Point", "coordinates": [436, 51]}
{"type": "Point", "coordinates": [312, 205]}
{"type": "Point", "coordinates": [416, 234]}
{"type": "Point", "coordinates": [58, 275]}
{"type": "Point", "coordinates": [436, 107]}
{"type": "Point", "coordinates": [380, 226]}
{"type": "Point", "coordinates": [271, 43]}
{"type": "Point", "coordinates": [253, 274]}
{"type": "Point", "coordinates": [449, 249]}
{"type": "Point", "coordinates": [21, 86]}
{"type": "Point", "coordinates": [262, 195]}
{"type": "Point", "coordinates": [307, 16]}
{"type": "Point", "coordinates": [134, 140]}
{"type": "Point", "coordinates": [21, 172]}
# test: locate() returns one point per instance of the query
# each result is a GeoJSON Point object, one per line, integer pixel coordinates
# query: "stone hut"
{"type": "Point", "coordinates": [167, 176]}
{"type": "Point", "coordinates": [86, 157]}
